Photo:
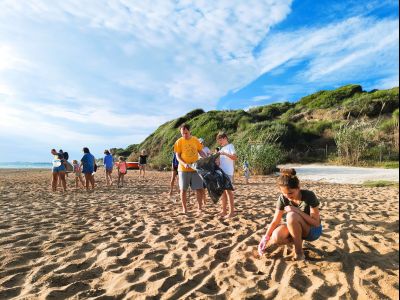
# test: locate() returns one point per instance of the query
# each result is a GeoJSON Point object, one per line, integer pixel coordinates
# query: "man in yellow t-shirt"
{"type": "Point", "coordinates": [187, 149]}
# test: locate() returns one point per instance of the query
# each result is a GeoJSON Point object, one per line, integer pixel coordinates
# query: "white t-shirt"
{"type": "Point", "coordinates": [207, 151]}
{"type": "Point", "coordinates": [227, 165]}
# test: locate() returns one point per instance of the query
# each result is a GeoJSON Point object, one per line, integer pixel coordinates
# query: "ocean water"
{"type": "Point", "coordinates": [25, 165]}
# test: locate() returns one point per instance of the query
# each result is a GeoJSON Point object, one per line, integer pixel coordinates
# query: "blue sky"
{"type": "Point", "coordinates": [107, 73]}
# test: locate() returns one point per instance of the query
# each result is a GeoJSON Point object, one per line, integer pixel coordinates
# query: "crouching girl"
{"type": "Point", "coordinates": [302, 219]}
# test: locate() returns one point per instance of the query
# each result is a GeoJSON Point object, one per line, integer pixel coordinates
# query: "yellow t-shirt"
{"type": "Point", "coordinates": [188, 151]}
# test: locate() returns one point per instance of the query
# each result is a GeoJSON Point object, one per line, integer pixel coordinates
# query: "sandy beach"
{"type": "Point", "coordinates": [133, 243]}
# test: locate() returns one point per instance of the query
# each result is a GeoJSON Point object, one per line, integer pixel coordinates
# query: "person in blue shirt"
{"type": "Point", "coordinates": [88, 163]}
{"type": "Point", "coordinates": [108, 166]}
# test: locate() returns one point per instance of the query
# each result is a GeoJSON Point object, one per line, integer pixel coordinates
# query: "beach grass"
{"type": "Point", "coordinates": [380, 183]}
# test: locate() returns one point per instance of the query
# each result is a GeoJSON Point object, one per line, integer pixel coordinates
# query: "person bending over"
{"type": "Point", "coordinates": [302, 219]}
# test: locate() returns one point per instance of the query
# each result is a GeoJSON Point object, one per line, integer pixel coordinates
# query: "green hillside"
{"type": "Point", "coordinates": [346, 125]}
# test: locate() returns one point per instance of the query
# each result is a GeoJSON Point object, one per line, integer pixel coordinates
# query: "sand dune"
{"type": "Point", "coordinates": [133, 243]}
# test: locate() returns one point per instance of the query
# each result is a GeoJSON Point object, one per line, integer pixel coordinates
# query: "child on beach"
{"type": "Point", "coordinates": [108, 162]}
{"type": "Point", "coordinates": [246, 171]}
{"type": "Point", "coordinates": [122, 170]}
{"type": "Point", "coordinates": [227, 164]}
{"type": "Point", "coordinates": [142, 163]}
{"type": "Point", "coordinates": [302, 220]}
{"type": "Point", "coordinates": [78, 174]}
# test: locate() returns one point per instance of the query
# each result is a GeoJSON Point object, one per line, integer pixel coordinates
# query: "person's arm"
{"type": "Point", "coordinates": [202, 154]}
{"type": "Point", "coordinates": [231, 156]}
{"type": "Point", "coordinates": [275, 222]}
{"type": "Point", "coordinates": [313, 219]}
{"type": "Point", "coordinates": [181, 161]}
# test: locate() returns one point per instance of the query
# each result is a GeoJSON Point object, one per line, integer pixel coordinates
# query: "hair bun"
{"type": "Point", "coordinates": [289, 172]}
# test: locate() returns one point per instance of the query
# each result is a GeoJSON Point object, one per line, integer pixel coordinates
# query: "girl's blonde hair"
{"type": "Point", "coordinates": [143, 151]}
{"type": "Point", "coordinates": [121, 158]}
{"type": "Point", "coordinates": [288, 179]}
{"type": "Point", "coordinates": [74, 161]}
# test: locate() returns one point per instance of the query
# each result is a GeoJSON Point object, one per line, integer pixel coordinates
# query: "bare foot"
{"type": "Point", "coordinates": [231, 215]}
{"type": "Point", "coordinates": [222, 214]}
{"type": "Point", "coordinates": [299, 257]}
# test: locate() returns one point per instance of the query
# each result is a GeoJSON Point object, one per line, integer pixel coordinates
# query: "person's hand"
{"type": "Point", "coordinates": [290, 208]}
{"type": "Point", "coordinates": [262, 244]}
{"type": "Point", "coordinates": [187, 166]}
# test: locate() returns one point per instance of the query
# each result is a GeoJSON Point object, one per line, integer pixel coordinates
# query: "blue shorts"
{"type": "Point", "coordinates": [314, 234]}
{"type": "Point", "coordinates": [59, 169]}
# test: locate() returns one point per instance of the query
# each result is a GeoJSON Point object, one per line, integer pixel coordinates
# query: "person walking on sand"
{"type": "Point", "coordinates": [108, 163]}
{"type": "Point", "coordinates": [174, 174]}
{"type": "Point", "coordinates": [122, 168]}
{"type": "Point", "coordinates": [142, 163]}
{"type": "Point", "coordinates": [302, 217]}
{"type": "Point", "coordinates": [227, 164]}
{"type": "Point", "coordinates": [187, 149]}
{"type": "Point", "coordinates": [58, 171]}
{"type": "Point", "coordinates": [246, 171]}
{"type": "Point", "coordinates": [88, 167]}
{"type": "Point", "coordinates": [78, 174]}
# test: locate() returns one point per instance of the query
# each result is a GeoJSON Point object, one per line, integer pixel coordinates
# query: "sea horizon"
{"type": "Point", "coordinates": [25, 165]}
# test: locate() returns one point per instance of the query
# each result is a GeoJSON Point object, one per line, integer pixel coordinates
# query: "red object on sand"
{"type": "Point", "coordinates": [131, 165]}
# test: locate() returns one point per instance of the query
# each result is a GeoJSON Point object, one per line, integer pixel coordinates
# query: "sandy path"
{"type": "Point", "coordinates": [132, 243]}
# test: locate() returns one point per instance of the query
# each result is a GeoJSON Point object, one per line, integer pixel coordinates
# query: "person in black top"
{"type": "Point", "coordinates": [142, 163]}
{"type": "Point", "coordinates": [302, 219]}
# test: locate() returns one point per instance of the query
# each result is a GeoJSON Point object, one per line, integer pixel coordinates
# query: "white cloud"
{"type": "Point", "coordinates": [11, 60]}
{"type": "Point", "coordinates": [261, 98]}
{"type": "Point", "coordinates": [335, 51]}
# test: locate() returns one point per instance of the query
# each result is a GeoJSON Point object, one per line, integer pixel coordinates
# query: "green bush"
{"type": "Point", "coordinates": [372, 104]}
{"type": "Point", "coordinates": [262, 158]}
{"type": "Point", "coordinates": [328, 99]}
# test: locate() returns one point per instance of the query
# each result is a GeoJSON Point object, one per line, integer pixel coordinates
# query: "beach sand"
{"type": "Point", "coordinates": [133, 243]}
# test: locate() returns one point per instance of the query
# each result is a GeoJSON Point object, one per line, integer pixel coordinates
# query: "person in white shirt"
{"type": "Point", "coordinates": [227, 164]}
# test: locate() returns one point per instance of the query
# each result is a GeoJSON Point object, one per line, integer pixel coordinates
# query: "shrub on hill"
{"type": "Point", "coordinates": [329, 99]}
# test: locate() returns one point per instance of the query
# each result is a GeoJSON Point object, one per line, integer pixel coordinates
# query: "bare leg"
{"type": "Point", "coordinates": [81, 180]}
{"type": "Point", "coordinates": [171, 183]}
{"type": "Point", "coordinates": [122, 179]}
{"type": "Point", "coordinates": [204, 196]}
{"type": "Point", "coordinates": [63, 182]}
{"type": "Point", "coordinates": [87, 180]}
{"type": "Point", "coordinates": [199, 196]}
{"type": "Point", "coordinates": [144, 171]}
{"type": "Point", "coordinates": [92, 181]}
{"type": "Point", "coordinates": [298, 229]}
{"type": "Point", "coordinates": [76, 182]}
{"type": "Point", "coordinates": [231, 203]}
{"type": "Point", "coordinates": [54, 181]}
{"type": "Point", "coordinates": [183, 200]}
{"type": "Point", "coordinates": [224, 202]}
{"type": "Point", "coordinates": [107, 178]}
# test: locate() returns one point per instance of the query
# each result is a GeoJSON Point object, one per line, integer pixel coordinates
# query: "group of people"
{"type": "Point", "coordinates": [187, 150]}
{"type": "Point", "coordinates": [85, 170]}
{"type": "Point", "coordinates": [297, 207]}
